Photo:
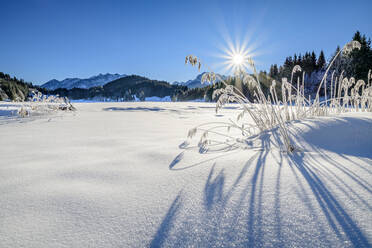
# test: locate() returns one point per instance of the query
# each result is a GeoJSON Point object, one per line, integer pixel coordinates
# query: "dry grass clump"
{"type": "Point", "coordinates": [42, 104]}
{"type": "Point", "coordinates": [269, 112]}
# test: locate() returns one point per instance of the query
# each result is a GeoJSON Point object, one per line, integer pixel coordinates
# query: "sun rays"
{"type": "Point", "coordinates": [234, 55]}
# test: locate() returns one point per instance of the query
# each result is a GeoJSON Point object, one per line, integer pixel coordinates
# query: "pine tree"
{"type": "Point", "coordinates": [321, 63]}
{"type": "Point", "coordinates": [276, 71]}
{"type": "Point", "coordinates": [280, 71]}
{"type": "Point", "coordinates": [357, 36]}
{"type": "Point", "coordinates": [306, 63]}
{"type": "Point", "coordinates": [361, 60]}
{"type": "Point", "coordinates": [313, 61]}
{"type": "Point", "coordinates": [271, 73]}
{"type": "Point", "coordinates": [300, 60]}
{"type": "Point", "coordinates": [356, 63]}
{"type": "Point", "coordinates": [287, 67]}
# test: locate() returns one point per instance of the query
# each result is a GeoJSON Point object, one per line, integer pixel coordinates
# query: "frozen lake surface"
{"type": "Point", "coordinates": [119, 175]}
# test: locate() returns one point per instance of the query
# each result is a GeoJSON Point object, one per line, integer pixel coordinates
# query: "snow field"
{"type": "Point", "coordinates": [116, 175]}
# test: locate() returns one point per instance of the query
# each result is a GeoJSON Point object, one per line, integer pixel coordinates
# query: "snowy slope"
{"type": "Point", "coordinates": [86, 83]}
{"type": "Point", "coordinates": [196, 83]}
{"type": "Point", "coordinates": [119, 175]}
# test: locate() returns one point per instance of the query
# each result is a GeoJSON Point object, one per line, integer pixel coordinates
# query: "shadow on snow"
{"type": "Point", "coordinates": [235, 213]}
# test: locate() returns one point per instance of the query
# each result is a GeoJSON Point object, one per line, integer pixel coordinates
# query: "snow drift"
{"type": "Point", "coordinates": [126, 178]}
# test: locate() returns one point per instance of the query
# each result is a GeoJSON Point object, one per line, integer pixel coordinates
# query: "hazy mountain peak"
{"type": "Point", "coordinates": [196, 83]}
{"type": "Point", "coordinates": [84, 83]}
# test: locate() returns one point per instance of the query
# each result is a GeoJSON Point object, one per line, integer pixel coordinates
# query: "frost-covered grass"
{"type": "Point", "coordinates": [38, 105]}
{"type": "Point", "coordinates": [121, 175]}
{"type": "Point", "coordinates": [271, 111]}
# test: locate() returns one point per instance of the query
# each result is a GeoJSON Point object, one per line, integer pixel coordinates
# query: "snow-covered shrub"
{"type": "Point", "coordinates": [269, 112]}
{"type": "Point", "coordinates": [23, 112]}
{"type": "Point", "coordinates": [39, 104]}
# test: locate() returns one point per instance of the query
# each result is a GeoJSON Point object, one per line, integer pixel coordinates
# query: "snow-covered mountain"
{"type": "Point", "coordinates": [196, 83]}
{"type": "Point", "coordinates": [83, 83]}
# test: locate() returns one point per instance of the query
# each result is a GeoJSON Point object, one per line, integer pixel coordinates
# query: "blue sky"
{"type": "Point", "coordinates": [46, 39]}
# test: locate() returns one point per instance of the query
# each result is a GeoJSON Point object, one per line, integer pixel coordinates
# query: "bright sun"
{"type": "Point", "coordinates": [237, 59]}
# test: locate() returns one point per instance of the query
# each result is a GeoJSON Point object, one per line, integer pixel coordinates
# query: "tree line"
{"type": "Point", "coordinates": [356, 64]}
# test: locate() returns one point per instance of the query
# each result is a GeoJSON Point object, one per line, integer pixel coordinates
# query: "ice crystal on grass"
{"type": "Point", "coordinates": [208, 77]}
{"type": "Point", "coordinates": [39, 104]}
{"type": "Point", "coordinates": [351, 46]}
{"type": "Point", "coordinates": [268, 112]}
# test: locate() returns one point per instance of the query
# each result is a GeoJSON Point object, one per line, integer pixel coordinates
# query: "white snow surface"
{"type": "Point", "coordinates": [120, 175]}
{"type": "Point", "coordinates": [158, 99]}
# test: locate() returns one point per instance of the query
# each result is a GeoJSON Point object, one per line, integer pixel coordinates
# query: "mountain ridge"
{"type": "Point", "coordinates": [123, 89]}
{"type": "Point", "coordinates": [197, 83]}
{"type": "Point", "coordinates": [82, 83]}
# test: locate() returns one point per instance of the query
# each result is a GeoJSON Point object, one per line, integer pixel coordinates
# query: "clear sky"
{"type": "Point", "coordinates": [45, 39]}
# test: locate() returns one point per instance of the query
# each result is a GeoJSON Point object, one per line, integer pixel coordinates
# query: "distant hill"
{"type": "Point", "coordinates": [86, 83]}
{"type": "Point", "coordinates": [124, 88]}
{"type": "Point", "coordinates": [13, 89]}
{"type": "Point", "coordinates": [196, 83]}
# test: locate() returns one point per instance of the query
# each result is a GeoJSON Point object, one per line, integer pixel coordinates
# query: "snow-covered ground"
{"type": "Point", "coordinates": [119, 175]}
{"type": "Point", "coordinates": [136, 99]}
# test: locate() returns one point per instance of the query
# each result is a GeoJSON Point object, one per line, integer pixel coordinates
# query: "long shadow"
{"type": "Point", "coordinates": [314, 184]}
{"type": "Point", "coordinates": [335, 213]}
{"type": "Point", "coordinates": [213, 189]}
{"type": "Point", "coordinates": [176, 160]}
{"type": "Point", "coordinates": [179, 157]}
{"type": "Point", "coordinates": [362, 149]}
{"type": "Point", "coordinates": [141, 109]}
{"type": "Point", "coordinates": [167, 223]}
{"type": "Point", "coordinates": [332, 136]}
{"type": "Point", "coordinates": [220, 151]}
